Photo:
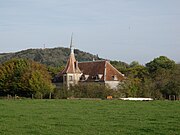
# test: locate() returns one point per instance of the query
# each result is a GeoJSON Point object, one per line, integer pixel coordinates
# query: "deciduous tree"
{"type": "Point", "coordinates": [24, 77]}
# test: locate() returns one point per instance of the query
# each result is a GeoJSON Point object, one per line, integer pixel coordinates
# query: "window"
{"type": "Point", "coordinates": [114, 78]}
{"type": "Point", "coordinates": [70, 78]}
{"type": "Point", "coordinates": [96, 78]}
{"type": "Point", "coordinates": [82, 78]}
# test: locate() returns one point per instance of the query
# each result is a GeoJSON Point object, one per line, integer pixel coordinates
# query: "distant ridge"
{"type": "Point", "coordinates": [49, 56]}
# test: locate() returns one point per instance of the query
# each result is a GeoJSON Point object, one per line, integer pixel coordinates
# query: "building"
{"type": "Point", "coordinates": [100, 71]}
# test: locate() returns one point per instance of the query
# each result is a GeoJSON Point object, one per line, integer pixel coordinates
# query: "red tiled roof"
{"type": "Point", "coordinates": [71, 66]}
{"type": "Point", "coordinates": [92, 69]}
{"type": "Point", "coordinates": [100, 67]}
{"type": "Point", "coordinates": [112, 72]}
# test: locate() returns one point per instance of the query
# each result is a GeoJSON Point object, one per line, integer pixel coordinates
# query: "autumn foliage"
{"type": "Point", "coordinates": [23, 78]}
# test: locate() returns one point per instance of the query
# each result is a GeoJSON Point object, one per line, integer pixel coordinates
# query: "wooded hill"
{"type": "Point", "coordinates": [50, 57]}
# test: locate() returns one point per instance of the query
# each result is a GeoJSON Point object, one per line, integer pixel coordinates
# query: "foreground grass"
{"type": "Point", "coordinates": [63, 117]}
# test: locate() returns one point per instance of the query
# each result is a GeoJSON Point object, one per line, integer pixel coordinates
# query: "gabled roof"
{"type": "Point", "coordinates": [112, 73]}
{"type": "Point", "coordinates": [103, 68]}
{"type": "Point", "coordinates": [92, 69]}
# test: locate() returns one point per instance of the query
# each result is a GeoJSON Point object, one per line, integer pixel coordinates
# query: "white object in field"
{"type": "Point", "coordinates": [137, 99]}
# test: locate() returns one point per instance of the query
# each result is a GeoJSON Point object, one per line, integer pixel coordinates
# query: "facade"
{"type": "Point", "coordinates": [87, 72]}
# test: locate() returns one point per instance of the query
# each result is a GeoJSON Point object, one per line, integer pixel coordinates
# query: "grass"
{"type": "Point", "coordinates": [79, 117]}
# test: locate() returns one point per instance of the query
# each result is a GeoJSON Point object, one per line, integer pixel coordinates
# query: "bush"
{"type": "Point", "coordinates": [84, 90]}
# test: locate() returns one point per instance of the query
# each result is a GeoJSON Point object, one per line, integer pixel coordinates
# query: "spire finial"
{"type": "Point", "coordinates": [71, 44]}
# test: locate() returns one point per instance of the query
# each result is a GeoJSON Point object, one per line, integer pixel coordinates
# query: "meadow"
{"type": "Point", "coordinates": [89, 117]}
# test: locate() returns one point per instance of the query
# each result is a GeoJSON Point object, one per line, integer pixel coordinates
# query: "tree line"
{"type": "Point", "coordinates": [159, 79]}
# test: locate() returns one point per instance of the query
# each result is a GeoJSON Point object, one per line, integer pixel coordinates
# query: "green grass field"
{"type": "Point", "coordinates": [79, 117]}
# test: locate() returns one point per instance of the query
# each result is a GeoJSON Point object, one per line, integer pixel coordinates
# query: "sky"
{"type": "Point", "coordinates": [123, 30]}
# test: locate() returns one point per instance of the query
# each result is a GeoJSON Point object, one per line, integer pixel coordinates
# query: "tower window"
{"type": "Point", "coordinates": [70, 78]}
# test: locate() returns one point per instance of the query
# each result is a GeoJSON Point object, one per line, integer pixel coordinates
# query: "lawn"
{"type": "Point", "coordinates": [79, 117]}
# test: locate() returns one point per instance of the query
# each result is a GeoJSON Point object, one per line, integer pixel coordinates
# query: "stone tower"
{"type": "Point", "coordinates": [71, 73]}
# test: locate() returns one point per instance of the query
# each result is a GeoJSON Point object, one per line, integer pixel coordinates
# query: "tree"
{"type": "Point", "coordinates": [54, 70]}
{"type": "Point", "coordinates": [161, 62]}
{"type": "Point", "coordinates": [121, 66]}
{"type": "Point", "coordinates": [136, 77]}
{"type": "Point", "coordinates": [24, 77]}
{"type": "Point", "coordinates": [160, 71]}
{"type": "Point", "coordinates": [172, 87]}
{"type": "Point", "coordinates": [134, 63]}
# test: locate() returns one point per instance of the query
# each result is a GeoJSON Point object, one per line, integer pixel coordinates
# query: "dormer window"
{"type": "Point", "coordinates": [100, 76]}
{"type": "Point", "coordinates": [96, 78]}
{"type": "Point", "coordinates": [84, 77]}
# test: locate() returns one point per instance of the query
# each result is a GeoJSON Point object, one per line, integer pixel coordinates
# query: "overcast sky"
{"type": "Point", "coordinates": [124, 30]}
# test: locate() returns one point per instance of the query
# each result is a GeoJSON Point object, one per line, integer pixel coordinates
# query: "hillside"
{"type": "Point", "coordinates": [50, 57]}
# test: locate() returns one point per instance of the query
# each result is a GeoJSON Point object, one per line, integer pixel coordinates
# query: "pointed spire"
{"type": "Point", "coordinates": [72, 64]}
{"type": "Point", "coordinates": [71, 45]}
